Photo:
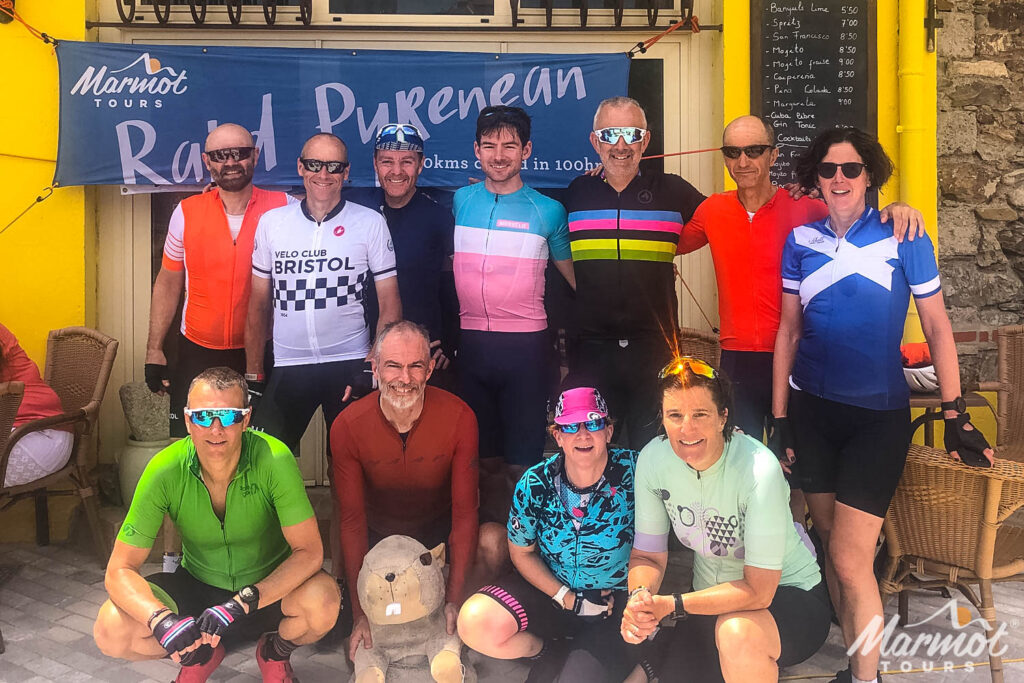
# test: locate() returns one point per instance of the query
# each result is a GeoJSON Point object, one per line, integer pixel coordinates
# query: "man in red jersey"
{"type": "Point", "coordinates": [405, 462]}
{"type": "Point", "coordinates": [747, 228]}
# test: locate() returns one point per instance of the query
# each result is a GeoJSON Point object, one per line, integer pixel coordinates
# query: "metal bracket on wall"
{"type": "Point", "coordinates": [162, 11]}
{"type": "Point", "coordinates": [930, 24]}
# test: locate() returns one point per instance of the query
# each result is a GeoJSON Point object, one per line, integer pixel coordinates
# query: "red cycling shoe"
{"type": "Point", "coordinates": [198, 673]}
{"type": "Point", "coordinates": [273, 670]}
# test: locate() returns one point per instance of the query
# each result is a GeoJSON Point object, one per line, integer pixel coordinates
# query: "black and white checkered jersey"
{"type": "Point", "coordinates": [319, 272]}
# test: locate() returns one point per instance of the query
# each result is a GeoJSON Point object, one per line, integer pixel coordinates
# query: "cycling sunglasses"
{"type": "Point", "coordinates": [333, 167]}
{"type": "Point", "coordinates": [851, 169]}
{"type": "Point", "coordinates": [234, 153]}
{"type": "Point", "coordinates": [678, 366]}
{"type": "Point", "coordinates": [595, 425]}
{"type": "Point", "coordinates": [630, 134]}
{"type": "Point", "coordinates": [392, 128]}
{"type": "Point", "coordinates": [227, 416]}
{"type": "Point", "coordinates": [752, 151]}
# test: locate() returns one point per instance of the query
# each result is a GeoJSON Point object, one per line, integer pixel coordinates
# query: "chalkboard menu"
{"type": "Point", "coordinates": [813, 67]}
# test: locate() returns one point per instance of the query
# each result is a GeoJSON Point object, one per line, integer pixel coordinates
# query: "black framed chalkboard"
{"type": "Point", "coordinates": [813, 66]}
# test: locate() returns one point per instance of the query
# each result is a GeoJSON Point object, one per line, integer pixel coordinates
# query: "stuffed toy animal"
{"type": "Point", "coordinates": [402, 590]}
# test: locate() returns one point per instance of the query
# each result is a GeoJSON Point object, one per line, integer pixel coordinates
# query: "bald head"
{"type": "Point", "coordinates": [228, 135]}
{"type": "Point", "coordinates": [325, 143]}
{"type": "Point", "coordinates": [748, 128]}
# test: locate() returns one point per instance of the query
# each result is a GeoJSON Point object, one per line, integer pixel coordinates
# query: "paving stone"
{"type": "Point", "coordinates": [83, 608]}
{"type": "Point", "coordinates": [159, 669]}
{"type": "Point", "coordinates": [13, 673]}
{"type": "Point", "coordinates": [87, 662]}
{"type": "Point", "coordinates": [78, 623]}
{"type": "Point", "coordinates": [44, 666]}
{"type": "Point", "coordinates": [64, 635]}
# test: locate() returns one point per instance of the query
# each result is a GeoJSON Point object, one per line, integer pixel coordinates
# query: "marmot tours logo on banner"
{"type": "Point", "coordinates": [137, 85]}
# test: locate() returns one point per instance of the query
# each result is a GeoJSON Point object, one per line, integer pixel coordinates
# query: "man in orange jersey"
{"type": "Point", "coordinates": [208, 253]}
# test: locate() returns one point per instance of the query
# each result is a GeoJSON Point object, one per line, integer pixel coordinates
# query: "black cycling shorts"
{"type": "Point", "coordinates": [598, 638]}
{"type": "Point", "coordinates": [191, 596]}
{"type": "Point", "coordinates": [803, 618]}
{"type": "Point", "coordinates": [856, 453]}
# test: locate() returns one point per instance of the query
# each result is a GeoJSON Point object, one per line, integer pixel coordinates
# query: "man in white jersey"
{"type": "Point", "coordinates": [311, 264]}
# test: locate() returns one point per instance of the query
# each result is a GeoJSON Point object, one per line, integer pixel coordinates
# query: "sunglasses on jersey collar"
{"type": "Point", "coordinates": [219, 156]}
{"type": "Point", "coordinates": [678, 366]}
{"type": "Point", "coordinates": [595, 425]}
{"type": "Point", "coordinates": [752, 151]}
{"type": "Point", "coordinates": [851, 169]}
{"type": "Point", "coordinates": [333, 167]}
{"type": "Point", "coordinates": [204, 417]}
{"type": "Point", "coordinates": [629, 134]}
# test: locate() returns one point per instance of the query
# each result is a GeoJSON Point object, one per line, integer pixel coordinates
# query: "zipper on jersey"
{"type": "Point", "coordinates": [483, 265]}
{"type": "Point", "coordinates": [311, 310]}
{"type": "Point", "coordinates": [223, 531]}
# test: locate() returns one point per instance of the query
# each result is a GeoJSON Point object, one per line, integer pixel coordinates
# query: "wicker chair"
{"type": "Point", "coordinates": [699, 345]}
{"type": "Point", "coordinates": [78, 365]}
{"type": "Point", "coordinates": [946, 525]}
{"type": "Point", "coordinates": [1009, 388]}
{"type": "Point", "coordinates": [10, 399]}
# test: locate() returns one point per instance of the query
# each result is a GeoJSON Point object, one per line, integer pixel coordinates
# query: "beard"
{"type": "Point", "coordinates": [233, 183]}
{"type": "Point", "coordinates": [398, 401]}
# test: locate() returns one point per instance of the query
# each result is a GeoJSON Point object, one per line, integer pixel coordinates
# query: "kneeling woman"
{"type": "Point", "coordinates": [569, 532]}
{"type": "Point", "coordinates": [758, 601]}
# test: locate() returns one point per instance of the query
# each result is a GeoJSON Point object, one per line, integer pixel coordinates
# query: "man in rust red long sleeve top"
{"type": "Point", "coordinates": [405, 462]}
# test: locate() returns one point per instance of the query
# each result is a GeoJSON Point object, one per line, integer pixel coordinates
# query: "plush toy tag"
{"type": "Point", "coordinates": [394, 609]}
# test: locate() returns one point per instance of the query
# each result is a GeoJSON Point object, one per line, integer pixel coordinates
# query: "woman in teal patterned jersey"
{"type": "Point", "coordinates": [570, 530]}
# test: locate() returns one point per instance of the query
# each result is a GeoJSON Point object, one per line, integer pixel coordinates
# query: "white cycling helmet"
{"type": "Point", "coordinates": [922, 380]}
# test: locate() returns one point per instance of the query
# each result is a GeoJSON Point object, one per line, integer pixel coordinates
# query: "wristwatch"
{"type": "Point", "coordinates": [559, 596]}
{"type": "Point", "coordinates": [254, 377]}
{"type": "Point", "coordinates": [958, 404]}
{"type": "Point", "coordinates": [679, 613]}
{"type": "Point", "coordinates": [250, 595]}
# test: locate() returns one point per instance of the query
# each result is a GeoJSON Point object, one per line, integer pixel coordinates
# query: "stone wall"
{"type": "Point", "coordinates": [981, 173]}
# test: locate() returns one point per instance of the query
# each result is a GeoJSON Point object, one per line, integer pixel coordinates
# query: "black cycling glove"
{"type": "Point", "coordinates": [590, 603]}
{"type": "Point", "coordinates": [780, 437]}
{"type": "Point", "coordinates": [155, 376]}
{"type": "Point", "coordinates": [217, 619]}
{"type": "Point", "coordinates": [257, 387]}
{"type": "Point", "coordinates": [969, 444]}
{"type": "Point", "coordinates": [363, 381]}
{"type": "Point", "coordinates": [175, 633]}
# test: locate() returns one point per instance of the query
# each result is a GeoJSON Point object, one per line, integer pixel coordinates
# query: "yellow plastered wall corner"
{"type": "Point", "coordinates": [736, 66]}
{"type": "Point", "coordinates": [44, 280]}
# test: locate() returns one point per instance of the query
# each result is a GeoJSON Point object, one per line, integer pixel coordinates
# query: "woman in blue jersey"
{"type": "Point", "coordinates": [569, 534]}
{"type": "Point", "coordinates": [758, 600]}
{"type": "Point", "coordinates": [840, 400]}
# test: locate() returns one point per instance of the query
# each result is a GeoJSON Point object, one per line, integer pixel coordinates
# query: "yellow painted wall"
{"type": "Point", "coordinates": [46, 280]}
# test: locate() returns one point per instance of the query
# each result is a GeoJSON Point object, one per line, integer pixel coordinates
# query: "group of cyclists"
{"type": "Point", "coordinates": [814, 285]}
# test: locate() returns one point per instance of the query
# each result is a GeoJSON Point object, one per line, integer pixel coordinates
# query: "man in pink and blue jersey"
{"type": "Point", "coordinates": [505, 232]}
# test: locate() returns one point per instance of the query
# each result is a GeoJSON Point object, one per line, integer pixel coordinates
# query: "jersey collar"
{"type": "Point", "coordinates": [192, 456]}
{"type": "Point", "coordinates": [331, 214]}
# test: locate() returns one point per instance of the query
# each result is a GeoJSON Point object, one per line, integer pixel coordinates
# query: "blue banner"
{"type": "Point", "coordinates": [139, 114]}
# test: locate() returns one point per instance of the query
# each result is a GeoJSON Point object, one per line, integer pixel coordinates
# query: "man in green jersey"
{"type": "Point", "coordinates": [251, 548]}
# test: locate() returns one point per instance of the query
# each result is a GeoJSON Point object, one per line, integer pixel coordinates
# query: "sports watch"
{"type": "Point", "coordinates": [958, 404]}
{"type": "Point", "coordinates": [250, 595]}
{"type": "Point", "coordinates": [559, 596]}
{"type": "Point", "coordinates": [679, 613]}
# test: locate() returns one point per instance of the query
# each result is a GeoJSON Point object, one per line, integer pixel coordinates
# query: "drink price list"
{"type": "Point", "coordinates": [812, 67]}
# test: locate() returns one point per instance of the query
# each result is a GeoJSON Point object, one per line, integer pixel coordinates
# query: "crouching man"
{"type": "Point", "coordinates": [252, 554]}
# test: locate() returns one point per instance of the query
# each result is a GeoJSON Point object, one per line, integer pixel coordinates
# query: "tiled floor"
{"type": "Point", "coordinates": [51, 595]}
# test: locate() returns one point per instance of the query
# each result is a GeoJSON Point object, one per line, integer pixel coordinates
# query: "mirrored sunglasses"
{"type": "Point", "coordinates": [333, 167]}
{"type": "Point", "coordinates": [851, 169]}
{"type": "Point", "coordinates": [629, 134]}
{"type": "Point", "coordinates": [234, 153]}
{"type": "Point", "coordinates": [752, 151]}
{"type": "Point", "coordinates": [392, 128]}
{"type": "Point", "coordinates": [678, 366]}
{"type": "Point", "coordinates": [595, 425]}
{"type": "Point", "coordinates": [227, 416]}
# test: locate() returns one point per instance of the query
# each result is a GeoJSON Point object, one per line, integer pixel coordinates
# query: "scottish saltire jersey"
{"type": "Point", "coordinates": [502, 245]}
{"type": "Point", "coordinates": [734, 513]}
{"type": "Point", "coordinates": [855, 291]}
{"type": "Point", "coordinates": [319, 272]}
{"type": "Point", "coordinates": [596, 554]}
{"type": "Point", "coordinates": [622, 250]}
